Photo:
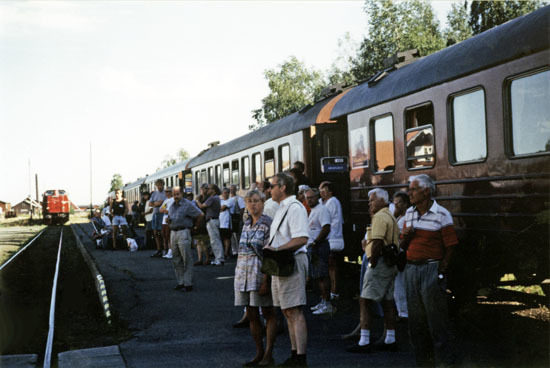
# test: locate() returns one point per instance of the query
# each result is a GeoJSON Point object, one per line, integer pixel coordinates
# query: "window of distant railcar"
{"type": "Point", "coordinates": [203, 176]}
{"type": "Point", "coordinates": [257, 167]}
{"type": "Point", "coordinates": [269, 163]}
{"type": "Point", "coordinates": [225, 182]}
{"type": "Point", "coordinates": [284, 158]}
{"type": "Point", "coordinates": [49, 192]}
{"type": "Point", "coordinates": [245, 167]}
{"type": "Point", "coordinates": [382, 132]}
{"type": "Point", "coordinates": [61, 192]}
{"type": "Point", "coordinates": [419, 136]}
{"type": "Point", "coordinates": [218, 178]}
{"type": "Point", "coordinates": [210, 174]}
{"type": "Point", "coordinates": [235, 173]}
{"type": "Point", "coordinates": [529, 114]}
{"type": "Point", "coordinates": [197, 182]}
{"type": "Point", "coordinates": [468, 140]}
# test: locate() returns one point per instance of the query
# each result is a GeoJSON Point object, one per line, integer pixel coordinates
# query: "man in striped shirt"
{"type": "Point", "coordinates": [429, 237]}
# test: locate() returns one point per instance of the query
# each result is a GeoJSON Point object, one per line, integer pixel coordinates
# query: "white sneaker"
{"type": "Point", "coordinates": [326, 308]}
{"type": "Point", "coordinates": [163, 253]}
{"type": "Point", "coordinates": [168, 254]}
{"type": "Point", "coordinates": [316, 307]}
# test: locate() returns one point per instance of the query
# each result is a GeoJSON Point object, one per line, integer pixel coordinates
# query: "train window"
{"type": "Point", "coordinates": [257, 167]}
{"type": "Point", "coordinates": [419, 137]}
{"type": "Point", "coordinates": [529, 114]}
{"type": "Point", "coordinates": [225, 182]}
{"type": "Point", "coordinates": [469, 127]}
{"type": "Point", "coordinates": [210, 174]}
{"type": "Point", "coordinates": [334, 143]}
{"type": "Point", "coordinates": [197, 182]}
{"type": "Point", "coordinates": [284, 158]}
{"type": "Point", "coordinates": [245, 167]}
{"type": "Point", "coordinates": [382, 131]}
{"type": "Point", "coordinates": [269, 163]}
{"type": "Point", "coordinates": [218, 173]}
{"type": "Point", "coordinates": [189, 183]}
{"type": "Point", "coordinates": [49, 193]}
{"type": "Point", "coordinates": [203, 176]}
{"type": "Point", "coordinates": [359, 147]}
{"type": "Point", "coordinates": [235, 173]}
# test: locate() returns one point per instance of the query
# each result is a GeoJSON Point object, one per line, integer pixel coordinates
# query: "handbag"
{"type": "Point", "coordinates": [390, 252]}
{"type": "Point", "coordinates": [278, 263]}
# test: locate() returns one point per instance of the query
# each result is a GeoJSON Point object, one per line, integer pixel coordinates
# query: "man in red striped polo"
{"type": "Point", "coordinates": [429, 237]}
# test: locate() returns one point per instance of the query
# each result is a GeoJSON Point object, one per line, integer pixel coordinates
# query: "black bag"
{"type": "Point", "coordinates": [401, 260]}
{"type": "Point", "coordinates": [278, 263]}
{"type": "Point", "coordinates": [390, 252]}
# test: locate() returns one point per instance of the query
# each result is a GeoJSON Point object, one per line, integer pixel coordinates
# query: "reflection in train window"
{"type": "Point", "coordinates": [218, 177]}
{"type": "Point", "coordinates": [245, 167]}
{"type": "Point", "coordinates": [225, 182]}
{"type": "Point", "coordinates": [530, 113]}
{"type": "Point", "coordinates": [382, 129]}
{"type": "Point", "coordinates": [235, 173]}
{"type": "Point", "coordinates": [284, 158]}
{"type": "Point", "coordinates": [469, 127]}
{"type": "Point", "coordinates": [419, 137]}
{"type": "Point", "coordinates": [257, 167]}
{"type": "Point", "coordinates": [269, 163]}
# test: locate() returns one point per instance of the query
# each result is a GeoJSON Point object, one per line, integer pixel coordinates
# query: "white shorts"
{"type": "Point", "coordinates": [119, 221]}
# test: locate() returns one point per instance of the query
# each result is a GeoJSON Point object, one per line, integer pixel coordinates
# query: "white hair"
{"type": "Point", "coordinates": [424, 181]}
{"type": "Point", "coordinates": [380, 193]}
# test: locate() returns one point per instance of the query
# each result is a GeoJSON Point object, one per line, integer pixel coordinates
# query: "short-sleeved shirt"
{"type": "Point", "coordinates": [337, 221]}
{"type": "Point", "coordinates": [148, 216]}
{"type": "Point", "coordinates": [433, 232]}
{"type": "Point", "coordinates": [155, 197]}
{"type": "Point", "coordinates": [248, 275]}
{"type": "Point", "coordinates": [213, 206]}
{"type": "Point", "coordinates": [166, 205]}
{"type": "Point", "coordinates": [294, 225]}
{"type": "Point", "coordinates": [225, 216]}
{"type": "Point", "coordinates": [384, 227]}
{"type": "Point", "coordinates": [182, 214]}
{"type": "Point", "coordinates": [240, 202]}
{"type": "Point", "coordinates": [271, 207]}
{"type": "Point", "coordinates": [318, 217]}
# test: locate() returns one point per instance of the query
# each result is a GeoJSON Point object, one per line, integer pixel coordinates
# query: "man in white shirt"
{"type": "Point", "coordinates": [289, 231]}
{"type": "Point", "coordinates": [167, 252]}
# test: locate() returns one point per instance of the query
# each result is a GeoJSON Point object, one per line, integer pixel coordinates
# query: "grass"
{"type": "Point", "coordinates": [529, 289]}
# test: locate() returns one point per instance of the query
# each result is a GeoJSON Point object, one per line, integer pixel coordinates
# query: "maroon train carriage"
{"type": "Point", "coordinates": [55, 206]}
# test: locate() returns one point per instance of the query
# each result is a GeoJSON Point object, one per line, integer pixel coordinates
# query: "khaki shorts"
{"type": "Point", "coordinates": [378, 282]}
{"type": "Point", "coordinates": [252, 298]}
{"type": "Point", "coordinates": [290, 291]}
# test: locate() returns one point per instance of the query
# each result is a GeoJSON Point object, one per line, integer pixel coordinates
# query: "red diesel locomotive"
{"type": "Point", "coordinates": [55, 206]}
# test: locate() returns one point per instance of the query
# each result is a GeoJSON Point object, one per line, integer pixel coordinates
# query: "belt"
{"type": "Point", "coordinates": [179, 228]}
{"type": "Point", "coordinates": [422, 261]}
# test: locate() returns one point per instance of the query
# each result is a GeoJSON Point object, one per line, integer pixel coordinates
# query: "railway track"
{"type": "Point", "coordinates": [48, 301]}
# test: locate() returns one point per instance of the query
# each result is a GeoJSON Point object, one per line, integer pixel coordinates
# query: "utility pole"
{"type": "Point", "coordinates": [91, 203]}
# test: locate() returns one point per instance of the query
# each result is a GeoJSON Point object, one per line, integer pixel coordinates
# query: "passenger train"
{"type": "Point", "coordinates": [474, 116]}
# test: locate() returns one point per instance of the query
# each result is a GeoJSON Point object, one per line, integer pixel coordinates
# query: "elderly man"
{"type": "Point", "coordinates": [429, 237]}
{"type": "Point", "coordinates": [289, 231]}
{"type": "Point", "coordinates": [378, 282]}
{"type": "Point", "coordinates": [180, 217]}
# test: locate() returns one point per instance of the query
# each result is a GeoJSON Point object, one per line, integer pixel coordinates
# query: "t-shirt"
{"type": "Point", "coordinates": [271, 207]}
{"type": "Point", "coordinates": [148, 216]}
{"type": "Point", "coordinates": [166, 205]}
{"type": "Point", "coordinates": [318, 217]}
{"type": "Point", "coordinates": [155, 197]}
{"type": "Point", "coordinates": [225, 216]}
{"type": "Point", "coordinates": [212, 207]}
{"type": "Point", "coordinates": [336, 236]}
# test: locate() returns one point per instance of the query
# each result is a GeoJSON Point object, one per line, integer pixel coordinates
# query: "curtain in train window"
{"type": "Point", "coordinates": [257, 167]}
{"type": "Point", "coordinates": [419, 137]}
{"type": "Point", "coordinates": [382, 129]}
{"type": "Point", "coordinates": [530, 113]}
{"type": "Point", "coordinates": [226, 175]}
{"type": "Point", "coordinates": [269, 163]}
{"type": "Point", "coordinates": [284, 158]}
{"type": "Point", "coordinates": [469, 127]}
{"type": "Point", "coordinates": [235, 173]}
{"type": "Point", "coordinates": [245, 167]}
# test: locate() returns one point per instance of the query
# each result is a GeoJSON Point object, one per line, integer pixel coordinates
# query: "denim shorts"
{"type": "Point", "coordinates": [119, 220]}
{"type": "Point", "coordinates": [318, 258]}
{"type": "Point", "coordinates": [157, 221]}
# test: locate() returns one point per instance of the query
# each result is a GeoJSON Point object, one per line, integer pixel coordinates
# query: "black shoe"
{"type": "Point", "coordinates": [179, 287]}
{"type": "Point", "coordinates": [157, 254]}
{"type": "Point", "coordinates": [188, 288]}
{"type": "Point", "coordinates": [243, 323]}
{"type": "Point", "coordinates": [361, 349]}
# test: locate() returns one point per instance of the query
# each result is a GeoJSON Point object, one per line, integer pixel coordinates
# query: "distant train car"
{"type": "Point", "coordinates": [55, 206]}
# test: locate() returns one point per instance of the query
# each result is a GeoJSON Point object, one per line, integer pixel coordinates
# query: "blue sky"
{"type": "Point", "coordinates": [141, 79]}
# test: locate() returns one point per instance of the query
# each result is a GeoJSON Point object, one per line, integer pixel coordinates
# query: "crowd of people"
{"type": "Point", "coordinates": [289, 220]}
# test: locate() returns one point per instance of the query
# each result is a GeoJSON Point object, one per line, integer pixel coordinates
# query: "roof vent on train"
{"type": "Point", "coordinates": [331, 91]}
{"type": "Point", "coordinates": [395, 61]}
{"type": "Point", "coordinates": [213, 144]}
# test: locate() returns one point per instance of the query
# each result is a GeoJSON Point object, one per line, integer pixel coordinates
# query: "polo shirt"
{"type": "Point", "coordinates": [384, 227]}
{"type": "Point", "coordinates": [433, 232]}
{"type": "Point", "coordinates": [294, 224]}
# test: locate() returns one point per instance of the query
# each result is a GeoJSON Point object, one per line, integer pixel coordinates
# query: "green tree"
{"type": "Point", "coordinates": [180, 156]}
{"type": "Point", "coordinates": [485, 15]}
{"type": "Point", "coordinates": [396, 26]}
{"type": "Point", "coordinates": [116, 182]}
{"type": "Point", "coordinates": [292, 85]}
{"type": "Point", "coordinates": [458, 26]}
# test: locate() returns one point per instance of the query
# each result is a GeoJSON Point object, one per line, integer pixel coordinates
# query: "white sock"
{"type": "Point", "coordinates": [365, 337]}
{"type": "Point", "coordinates": [390, 337]}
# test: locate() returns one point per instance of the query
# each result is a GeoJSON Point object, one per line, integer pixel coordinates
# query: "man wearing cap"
{"type": "Point", "coordinates": [182, 216]}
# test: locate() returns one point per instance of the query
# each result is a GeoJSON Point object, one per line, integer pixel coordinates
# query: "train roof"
{"type": "Point", "coordinates": [519, 37]}
{"type": "Point", "coordinates": [319, 112]}
{"type": "Point", "coordinates": [170, 170]}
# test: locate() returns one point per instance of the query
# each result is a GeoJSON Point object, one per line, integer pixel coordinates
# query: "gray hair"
{"type": "Point", "coordinates": [315, 191]}
{"type": "Point", "coordinates": [287, 181]}
{"type": "Point", "coordinates": [380, 193]}
{"type": "Point", "coordinates": [254, 192]}
{"type": "Point", "coordinates": [424, 181]}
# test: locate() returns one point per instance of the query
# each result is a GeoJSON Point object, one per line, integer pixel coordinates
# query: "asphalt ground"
{"type": "Point", "coordinates": [194, 329]}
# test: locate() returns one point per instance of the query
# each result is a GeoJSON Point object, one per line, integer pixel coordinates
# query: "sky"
{"type": "Point", "coordinates": [93, 88]}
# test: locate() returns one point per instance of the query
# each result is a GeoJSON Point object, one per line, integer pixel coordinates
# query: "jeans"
{"type": "Point", "coordinates": [213, 227]}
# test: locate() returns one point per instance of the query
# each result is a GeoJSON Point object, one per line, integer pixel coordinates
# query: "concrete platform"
{"type": "Point", "coordinates": [19, 361]}
{"type": "Point", "coordinates": [105, 357]}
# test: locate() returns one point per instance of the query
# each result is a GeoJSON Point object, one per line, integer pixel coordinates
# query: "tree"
{"type": "Point", "coordinates": [292, 85]}
{"type": "Point", "coordinates": [396, 26]}
{"type": "Point", "coordinates": [181, 155]}
{"type": "Point", "coordinates": [458, 28]}
{"type": "Point", "coordinates": [485, 15]}
{"type": "Point", "coordinates": [116, 182]}
{"type": "Point", "coordinates": [340, 71]}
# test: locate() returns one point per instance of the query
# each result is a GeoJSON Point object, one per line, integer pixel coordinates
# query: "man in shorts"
{"type": "Point", "coordinates": [157, 199]}
{"type": "Point", "coordinates": [378, 282]}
